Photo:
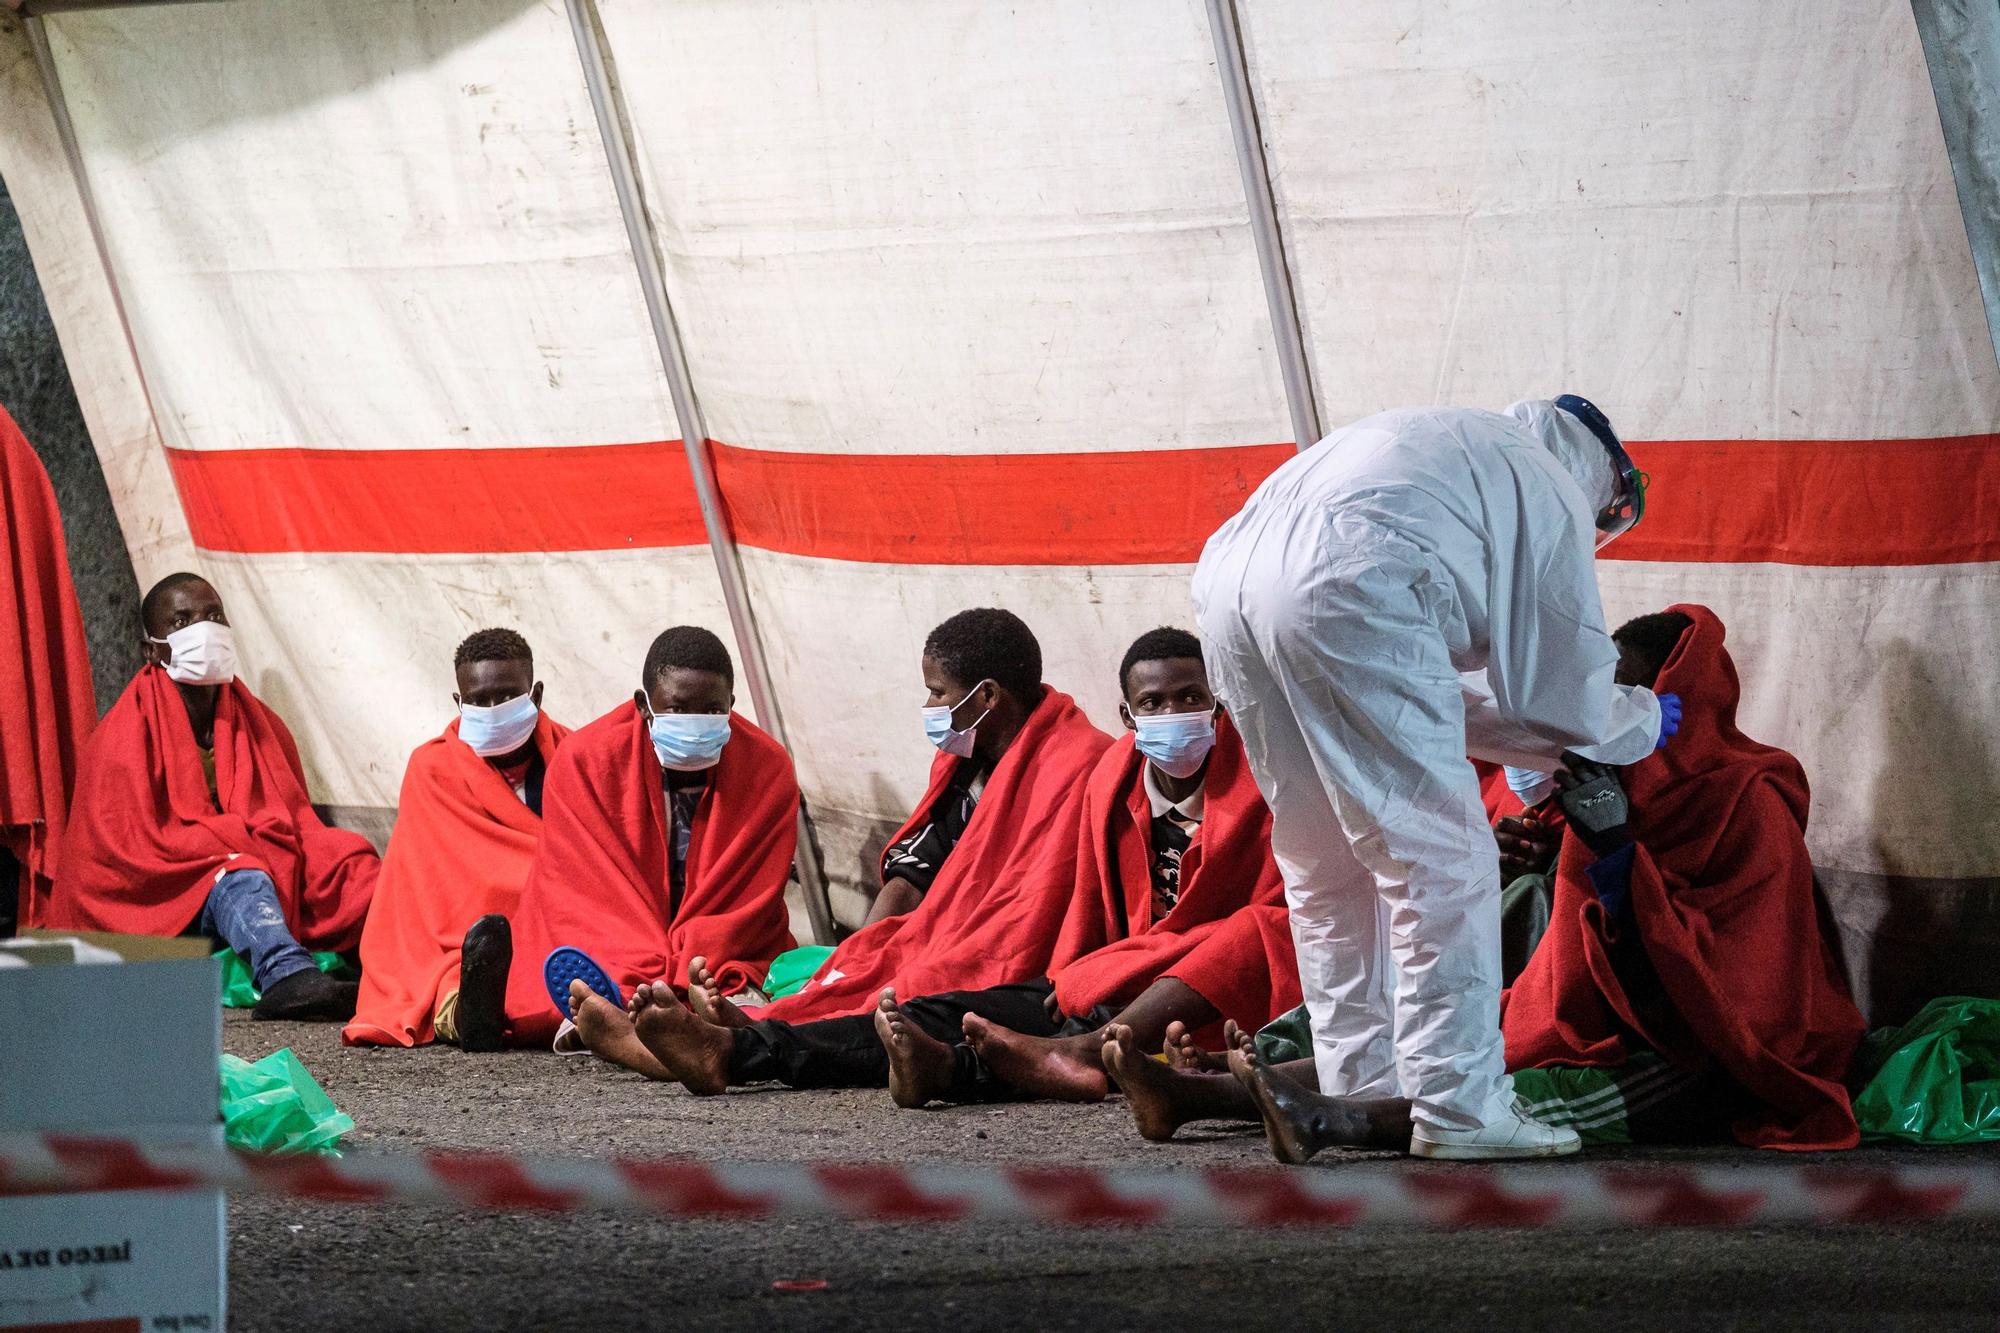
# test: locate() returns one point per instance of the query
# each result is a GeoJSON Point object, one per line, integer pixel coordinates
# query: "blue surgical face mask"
{"type": "Point", "coordinates": [1176, 743]}
{"type": "Point", "coordinates": [688, 742]}
{"type": "Point", "coordinates": [939, 731]}
{"type": "Point", "coordinates": [501, 729]}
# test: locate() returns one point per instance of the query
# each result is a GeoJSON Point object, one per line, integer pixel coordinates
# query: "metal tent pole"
{"type": "Point", "coordinates": [1223, 26]}
{"type": "Point", "coordinates": [619, 154]}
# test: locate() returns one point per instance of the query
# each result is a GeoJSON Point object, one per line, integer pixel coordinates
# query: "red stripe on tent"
{"type": "Point", "coordinates": [1153, 506]}
{"type": "Point", "coordinates": [429, 501]}
{"type": "Point", "coordinates": [1820, 502]}
{"type": "Point", "coordinates": [1846, 502]}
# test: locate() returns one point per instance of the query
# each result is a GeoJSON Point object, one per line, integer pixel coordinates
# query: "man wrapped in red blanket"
{"type": "Point", "coordinates": [46, 705]}
{"type": "Point", "coordinates": [468, 822]}
{"type": "Point", "coordinates": [1699, 938]}
{"type": "Point", "coordinates": [190, 814]}
{"type": "Point", "coordinates": [668, 833]}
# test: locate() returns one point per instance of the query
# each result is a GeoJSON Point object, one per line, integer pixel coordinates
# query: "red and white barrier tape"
{"type": "Point", "coordinates": [1571, 1196]}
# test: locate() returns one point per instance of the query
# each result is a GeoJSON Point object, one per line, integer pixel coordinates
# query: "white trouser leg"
{"type": "Point", "coordinates": [1338, 919]}
{"type": "Point", "coordinates": [1344, 620]}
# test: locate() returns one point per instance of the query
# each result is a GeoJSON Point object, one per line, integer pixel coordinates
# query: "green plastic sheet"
{"type": "Point", "coordinates": [791, 970]}
{"type": "Point", "coordinates": [1936, 1079]}
{"type": "Point", "coordinates": [275, 1105]}
{"type": "Point", "coordinates": [238, 992]}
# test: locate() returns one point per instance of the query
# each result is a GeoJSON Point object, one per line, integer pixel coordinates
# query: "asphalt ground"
{"type": "Point", "coordinates": [330, 1267]}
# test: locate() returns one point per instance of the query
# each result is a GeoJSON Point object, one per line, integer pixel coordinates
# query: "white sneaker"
{"type": "Point", "coordinates": [1515, 1135]}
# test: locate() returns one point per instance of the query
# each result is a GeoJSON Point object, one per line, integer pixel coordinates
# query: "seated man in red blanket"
{"type": "Point", "coordinates": [1175, 914]}
{"type": "Point", "coordinates": [1684, 943]}
{"type": "Point", "coordinates": [668, 831]}
{"type": "Point", "coordinates": [992, 847]}
{"type": "Point", "coordinates": [190, 815]}
{"type": "Point", "coordinates": [467, 824]}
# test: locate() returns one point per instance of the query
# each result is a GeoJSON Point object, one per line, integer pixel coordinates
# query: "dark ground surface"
{"type": "Point", "coordinates": [300, 1266]}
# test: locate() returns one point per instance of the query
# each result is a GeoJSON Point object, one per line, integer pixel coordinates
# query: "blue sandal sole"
{"type": "Point", "coordinates": [565, 965]}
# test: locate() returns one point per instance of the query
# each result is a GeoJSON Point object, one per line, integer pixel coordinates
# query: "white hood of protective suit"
{"type": "Point", "coordinates": [1581, 454]}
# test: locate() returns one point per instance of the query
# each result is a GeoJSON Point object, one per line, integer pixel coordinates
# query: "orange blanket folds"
{"type": "Point", "coordinates": [46, 706]}
{"type": "Point", "coordinates": [599, 882]}
{"type": "Point", "coordinates": [992, 915]}
{"type": "Point", "coordinates": [1229, 935]}
{"type": "Point", "coordinates": [144, 845]}
{"type": "Point", "coordinates": [1723, 899]}
{"type": "Point", "coordinates": [462, 847]}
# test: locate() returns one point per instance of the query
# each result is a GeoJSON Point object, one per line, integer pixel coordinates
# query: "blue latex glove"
{"type": "Point", "coordinates": [1670, 718]}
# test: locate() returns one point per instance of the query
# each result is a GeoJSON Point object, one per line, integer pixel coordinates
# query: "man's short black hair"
{"type": "Point", "coordinates": [690, 648]}
{"type": "Point", "coordinates": [987, 643]}
{"type": "Point", "coordinates": [1653, 638]}
{"type": "Point", "coordinates": [149, 605]}
{"type": "Point", "coordinates": [493, 645]}
{"type": "Point", "coordinates": [1157, 645]}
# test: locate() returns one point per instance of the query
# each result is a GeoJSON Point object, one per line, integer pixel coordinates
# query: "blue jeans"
{"type": "Point", "coordinates": [242, 911]}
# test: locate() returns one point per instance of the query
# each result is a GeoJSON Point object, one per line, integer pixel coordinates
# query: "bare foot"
{"type": "Point", "coordinates": [607, 1031]}
{"type": "Point", "coordinates": [1299, 1123]}
{"type": "Point", "coordinates": [920, 1065]}
{"type": "Point", "coordinates": [1184, 1054]}
{"type": "Point", "coordinates": [1163, 1098]}
{"type": "Point", "coordinates": [694, 1052]}
{"type": "Point", "coordinates": [1063, 1069]}
{"type": "Point", "coordinates": [707, 1002]}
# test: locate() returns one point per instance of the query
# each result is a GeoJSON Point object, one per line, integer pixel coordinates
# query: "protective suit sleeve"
{"type": "Point", "coordinates": [1492, 735]}
{"type": "Point", "coordinates": [1550, 673]}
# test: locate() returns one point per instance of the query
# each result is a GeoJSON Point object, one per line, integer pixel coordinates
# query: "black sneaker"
{"type": "Point", "coordinates": [308, 996]}
{"type": "Point", "coordinates": [482, 983]}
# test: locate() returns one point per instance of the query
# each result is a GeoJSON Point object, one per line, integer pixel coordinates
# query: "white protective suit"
{"type": "Point", "coordinates": [1415, 588]}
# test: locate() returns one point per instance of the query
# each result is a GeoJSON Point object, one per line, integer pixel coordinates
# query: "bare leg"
{"type": "Point", "coordinates": [692, 1051]}
{"type": "Point", "coordinates": [920, 1065]}
{"type": "Point", "coordinates": [708, 1002]}
{"type": "Point", "coordinates": [1163, 1098]}
{"type": "Point", "coordinates": [607, 1030]}
{"type": "Point", "coordinates": [1300, 1122]}
{"type": "Point", "coordinates": [1167, 1004]}
{"type": "Point", "coordinates": [1064, 1069]}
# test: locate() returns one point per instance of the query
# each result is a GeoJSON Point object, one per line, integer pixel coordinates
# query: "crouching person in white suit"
{"type": "Point", "coordinates": [1415, 588]}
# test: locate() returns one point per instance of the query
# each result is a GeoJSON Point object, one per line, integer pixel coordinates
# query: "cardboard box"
{"type": "Point", "coordinates": [130, 1048]}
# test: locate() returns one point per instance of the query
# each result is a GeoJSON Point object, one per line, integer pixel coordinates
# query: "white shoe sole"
{"type": "Point", "coordinates": [1489, 1152]}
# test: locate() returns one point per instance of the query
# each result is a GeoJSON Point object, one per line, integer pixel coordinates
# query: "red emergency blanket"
{"type": "Point", "coordinates": [600, 879]}
{"type": "Point", "coordinates": [992, 915]}
{"type": "Point", "coordinates": [1228, 936]}
{"type": "Point", "coordinates": [1724, 907]}
{"type": "Point", "coordinates": [462, 848]}
{"type": "Point", "coordinates": [45, 696]}
{"type": "Point", "coordinates": [144, 844]}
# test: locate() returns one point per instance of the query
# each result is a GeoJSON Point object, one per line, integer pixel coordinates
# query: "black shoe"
{"type": "Point", "coordinates": [482, 983]}
{"type": "Point", "coordinates": [308, 996]}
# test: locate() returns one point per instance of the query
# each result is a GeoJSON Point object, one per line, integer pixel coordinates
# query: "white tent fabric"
{"type": "Point", "coordinates": [973, 314]}
{"type": "Point", "coordinates": [1748, 235]}
{"type": "Point", "coordinates": [1016, 232]}
{"type": "Point", "coordinates": [400, 237]}
{"type": "Point", "coordinates": [109, 387]}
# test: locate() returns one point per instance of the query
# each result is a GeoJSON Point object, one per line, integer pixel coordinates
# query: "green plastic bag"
{"type": "Point", "coordinates": [1936, 1079]}
{"type": "Point", "coordinates": [239, 992]}
{"type": "Point", "coordinates": [275, 1106]}
{"type": "Point", "coordinates": [791, 970]}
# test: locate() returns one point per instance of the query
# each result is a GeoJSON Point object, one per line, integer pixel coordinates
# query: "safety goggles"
{"type": "Point", "coordinates": [1628, 506]}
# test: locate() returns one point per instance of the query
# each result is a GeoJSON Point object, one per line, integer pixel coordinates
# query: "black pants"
{"type": "Point", "coordinates": [846, 1053]}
